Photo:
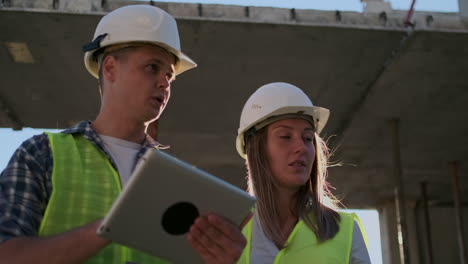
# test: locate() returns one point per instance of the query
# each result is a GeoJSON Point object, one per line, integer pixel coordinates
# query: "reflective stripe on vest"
{"type": "Point", "coordinates": [84, 186]}
{"type": "Point", "coordinates": [303, 246]}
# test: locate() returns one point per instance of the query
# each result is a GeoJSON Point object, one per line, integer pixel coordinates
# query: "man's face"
{"type": "Point", "coordinates": [141, 83]}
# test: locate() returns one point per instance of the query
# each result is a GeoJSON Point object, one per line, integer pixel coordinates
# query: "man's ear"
{"type": "Point", "coordinates": [109, 68]}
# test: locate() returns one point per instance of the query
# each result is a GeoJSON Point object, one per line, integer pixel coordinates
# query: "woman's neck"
{"type": "Point", "coordinates": [287, 215]}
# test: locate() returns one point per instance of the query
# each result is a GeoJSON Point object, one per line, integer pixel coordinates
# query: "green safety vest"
{"type": "Point", "coordinates": [303, 246]}
{"type": "Point", "coordinates": [84, 186]}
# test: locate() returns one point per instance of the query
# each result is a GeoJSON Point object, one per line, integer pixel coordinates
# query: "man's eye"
{"type": "Point", "coordinates": [153, 67]}
{"type": "Point", "coordinates": [170, 77]}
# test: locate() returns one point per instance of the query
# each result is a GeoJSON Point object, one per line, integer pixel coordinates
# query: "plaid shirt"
{"type": "Point", "coordinates": [26, 182]}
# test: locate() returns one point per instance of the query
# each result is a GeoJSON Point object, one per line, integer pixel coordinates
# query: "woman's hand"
{"type": "Point", "coordinates": [216, 239]}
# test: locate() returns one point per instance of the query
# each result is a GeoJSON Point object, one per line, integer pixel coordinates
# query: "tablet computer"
{"type": "Point", "coordinates": [161, 201]}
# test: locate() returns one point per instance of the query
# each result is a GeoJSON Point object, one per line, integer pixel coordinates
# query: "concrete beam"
{"type": "Point", "coordinates": [357, 108]}
{"type": "Point", "coordinates": [7, 114]}
{"type": "Point", "coordinates": [114, 4]}
{"type": "Point", "coordinates": [224, 12]}
{"type": "Point", "coordinates": [183, 10]}
{"type": "Point", "coordinates": [38, 4]}
{"type": "Point", "coordinates": [463, 7]}
{"type": "Point", "coordinates": [80, 5]}
{"type": "Point", "coordinates": [270, 14]}
{"type": "Point", "coordinates": [386, 19]}
{"type": "Point", "coordinates": [376, 6]}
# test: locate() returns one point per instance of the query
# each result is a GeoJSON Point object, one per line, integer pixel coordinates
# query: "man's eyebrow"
{"type": "Point", "coordinates": [162, 63]}
{"type": "Point", "coordinates": [158, 61]}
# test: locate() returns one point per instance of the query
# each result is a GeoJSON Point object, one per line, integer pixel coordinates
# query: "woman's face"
{"type": "Point", "coordinates": [291, 151]}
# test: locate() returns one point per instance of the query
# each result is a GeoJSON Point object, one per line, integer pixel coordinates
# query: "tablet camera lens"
{"type": "Point", "coordinates": [178, 218]}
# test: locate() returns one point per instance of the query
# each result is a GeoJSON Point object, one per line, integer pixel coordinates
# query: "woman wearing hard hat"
{"type": "Point", "coordinates": [295, 219]}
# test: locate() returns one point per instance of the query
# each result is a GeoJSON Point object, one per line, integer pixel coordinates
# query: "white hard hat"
{"type": "Point", "coordinates": [277, 99]}
{"type": "Point", "coordinates": [137, 24]}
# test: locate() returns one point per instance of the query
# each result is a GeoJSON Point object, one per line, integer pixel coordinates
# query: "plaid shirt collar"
{"type": "Point", "coordinates": [84, 128]}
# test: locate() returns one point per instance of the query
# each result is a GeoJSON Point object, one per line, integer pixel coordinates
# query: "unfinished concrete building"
{"type": "Point", "coordinates": [396, 85]}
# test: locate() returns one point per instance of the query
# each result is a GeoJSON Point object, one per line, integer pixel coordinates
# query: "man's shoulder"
{"type": "Point", "coordinates": [33, 154]}
{"type": "Point", "coordinates": [36, 140]}
{"type": "Point", "coordinates": [40, 144]}
{"type": "Point", "coordinates": [35, 144]}
{"type": "Point", "coordinates": [43, 138]}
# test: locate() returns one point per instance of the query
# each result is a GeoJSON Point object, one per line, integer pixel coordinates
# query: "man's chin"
{"type": "Point", "coordinates": [152, 118]}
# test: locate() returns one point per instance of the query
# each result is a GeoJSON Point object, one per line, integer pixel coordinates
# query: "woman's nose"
{"type": "Point", "coordinates": [299, 145]}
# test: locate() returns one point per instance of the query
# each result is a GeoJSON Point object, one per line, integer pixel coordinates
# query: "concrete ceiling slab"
{"type": "Point", "coordinates": [366, 76]}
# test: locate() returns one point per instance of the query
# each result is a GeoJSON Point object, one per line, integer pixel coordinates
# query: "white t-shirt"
{"type": "Point", "coordinates": [123, 153]}
{"type": "Point", "coordinates": [264, 251]}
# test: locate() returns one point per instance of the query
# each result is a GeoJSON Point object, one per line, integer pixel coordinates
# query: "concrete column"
{"type": "Point", "coordinates": [400, 203]}
{"type": "Point", "coordinates": [388, 233]}
{"type": "Point", "coordinates": [413, 243]}
{"type": "Point", "coordinates": [427, 224]}
{"type": "Point", "coordinates": [458, 212]}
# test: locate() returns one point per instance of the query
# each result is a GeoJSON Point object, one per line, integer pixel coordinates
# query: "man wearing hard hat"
{"type": "Point", "coordinates": [57, 185]}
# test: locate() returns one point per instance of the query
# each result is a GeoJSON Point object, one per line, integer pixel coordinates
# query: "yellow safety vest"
{"type": "Point", "coordinates": [303, 246]}
{"type": "Point", "coordinates": [84, 186]}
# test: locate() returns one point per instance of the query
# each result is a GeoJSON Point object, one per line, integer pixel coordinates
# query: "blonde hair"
{"type": "Point", "coordinates": [314, 202]}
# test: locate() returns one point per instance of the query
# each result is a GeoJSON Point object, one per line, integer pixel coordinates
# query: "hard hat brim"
{"type": "Point", "coordinates": [184, 62]}
{"type": "Point", "coordinates": [319, 114]}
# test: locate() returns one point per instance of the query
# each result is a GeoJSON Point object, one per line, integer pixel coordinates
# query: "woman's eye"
{"type": "Point", "coordinates": [285, 137]}
{"type": "Point", "coordinates": [308, 137]}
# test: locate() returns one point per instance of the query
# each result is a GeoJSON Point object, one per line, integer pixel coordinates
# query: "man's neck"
{"type": "Point", "coordinates": [120, 127]}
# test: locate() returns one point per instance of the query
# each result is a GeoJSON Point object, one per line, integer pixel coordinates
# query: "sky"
{"type": "Point", "coordinates": [10, 140]}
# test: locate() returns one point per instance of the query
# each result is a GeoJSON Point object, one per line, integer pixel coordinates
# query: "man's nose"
{"type": "Point", "coordinates": [163, 81]}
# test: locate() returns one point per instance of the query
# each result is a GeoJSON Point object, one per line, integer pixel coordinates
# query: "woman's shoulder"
{"type": "Point", "coordinates": [347, 217]}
